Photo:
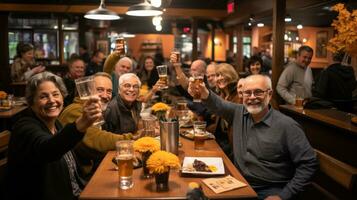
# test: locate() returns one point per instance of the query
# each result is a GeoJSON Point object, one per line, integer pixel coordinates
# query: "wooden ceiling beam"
{"type": "Point", "coordinates": [263, 8]}
{"type": "Point", "coordinates": [176, 12]}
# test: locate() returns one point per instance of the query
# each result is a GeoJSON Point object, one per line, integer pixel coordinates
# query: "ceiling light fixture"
{"type": "Point", "coordinates": [144, 9]}
{"type": "Point", "coordinates": [101, 13]}
{"type": "Point", "coordinates": [299, 26]}
{"type": "Point", "coordinates": [155, 3]}
{"type": "Point", "coordinates": [156, 20]}
{"type": "Point", "coordinates": [260, 25]}
{"type": "Point", "coordinates": [288, 18]}
{"type": "Point", "coordinates": [158, 28]}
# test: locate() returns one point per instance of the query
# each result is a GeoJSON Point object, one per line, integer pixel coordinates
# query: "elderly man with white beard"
{"type": "Point", "coordinates": [270, 149]}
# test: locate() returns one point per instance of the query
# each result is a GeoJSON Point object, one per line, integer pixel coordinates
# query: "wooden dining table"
{"type": "Point", "coordinates": [105, 182]}
{"type": "Point", "coordinates": [8, 116]}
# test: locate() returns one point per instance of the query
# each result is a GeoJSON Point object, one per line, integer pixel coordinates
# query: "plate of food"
{"type": "Point", "coordinates": [189, 134]}
{"type": "Point", "coordinates": [203, 166]}
{"type": "Point", "coordinates": [5, 108]}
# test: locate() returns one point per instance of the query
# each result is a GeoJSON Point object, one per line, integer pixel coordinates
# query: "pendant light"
{"type": "Point", "coordinates": [144, 9]}
{"type": "Point", "coordinates": [101, 13]}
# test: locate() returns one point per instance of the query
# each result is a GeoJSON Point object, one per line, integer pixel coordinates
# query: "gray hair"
{"type": "Point", "coordinates": [266, 79]}
{"type": "Point", "coordinates": [37, 79]}
{"type": "Point", "coordinates": [126, 59]}
{"type": "Point", "coordinates": [128, 76]}
{"type": "Point", "coordinates": [102, 74]}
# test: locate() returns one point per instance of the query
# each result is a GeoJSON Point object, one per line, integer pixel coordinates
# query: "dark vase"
{"type": "Point", "coordinates": [145, 156]}
{"type": "Point", "coordinates": [162, 181]}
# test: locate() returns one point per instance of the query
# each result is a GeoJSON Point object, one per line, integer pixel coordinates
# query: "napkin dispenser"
{"type": "Point", "coordinates": [169, 135]}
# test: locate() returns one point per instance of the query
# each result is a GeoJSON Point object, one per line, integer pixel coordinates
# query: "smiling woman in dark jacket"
{"type": "Point", "coordinates": [40, 162]}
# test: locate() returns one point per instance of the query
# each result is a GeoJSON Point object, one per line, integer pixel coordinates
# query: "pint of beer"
{"type": "Point", "coordinates": [197, 80]}
{"type": "Point", "coordinates": [299, 97]}
{"type": "Point", "coordinates": [177, 54]}
{"type": "Point", "coordinates": [120, 45]}
{"type": "Point", "coordinates": [299, 102]}
{"type": "Point", "coordinates": [162, 71]}
{"type": "Point", "coordinates": [125, 155]}
{"type": "Point", "coordinates": [200, 134]}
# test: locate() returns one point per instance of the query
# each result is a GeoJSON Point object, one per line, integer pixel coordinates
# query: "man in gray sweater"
{"type": "Point", "coordinates": [297, 79]}
{"type": "Point", "coordinates": [270, 149]}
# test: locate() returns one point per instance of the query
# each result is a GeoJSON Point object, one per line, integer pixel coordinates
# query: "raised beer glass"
{"type": "Point", "coordinates": [124, 157]}
{"type": "Point", "coordinates": [197, 80]}
{"type": "Point", "coordinates": [162, 71]}
{"type": "Point", "coordinates": [86, 89]}
{"type": "Point", "coordinates": [120, 45]}
{"type": "Point", "coordinates": [177, 54]}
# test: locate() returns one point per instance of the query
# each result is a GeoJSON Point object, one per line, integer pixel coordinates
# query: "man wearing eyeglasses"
{"type": "Point", "coordinates": [96, 142]}
{"type": "Point", "coordinates": [270, 149]}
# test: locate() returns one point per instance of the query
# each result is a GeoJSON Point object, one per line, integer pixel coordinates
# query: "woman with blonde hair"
{"type": "Point", "coordinates": [226, 84]}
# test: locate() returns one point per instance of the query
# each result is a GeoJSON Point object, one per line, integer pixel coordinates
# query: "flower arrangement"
{"type": "Point", "coordinates": [161, 162]}
{"type": "Point", "coordinates": [345, 26]}
{"type": "Point", "coordinates": [146, 144]}
{"type": "Point", "coordinates": [159, 109]}
{"type": "Point", "coordinates": [3, 95]}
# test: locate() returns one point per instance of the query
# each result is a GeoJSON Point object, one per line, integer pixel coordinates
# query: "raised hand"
{"type": "Point", "coordinates": [195, 88]}
{"type": "Point", "coordinates": [91, 112]}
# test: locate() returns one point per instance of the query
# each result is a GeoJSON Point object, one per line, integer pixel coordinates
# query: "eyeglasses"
{"type": "Point", "coordinates": [128, 86]}
{"type": "Point", "coordinates": [256, 93]}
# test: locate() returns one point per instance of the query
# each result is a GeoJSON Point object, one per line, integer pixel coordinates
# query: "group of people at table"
{"type": "Point", "coordinates": [54, 149]}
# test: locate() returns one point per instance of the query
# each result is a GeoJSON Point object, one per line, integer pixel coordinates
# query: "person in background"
{"type": "Point", "coordinates": [336, 84]}
{"type": "Point", "coordinates": [96, 63]}
{"type": "Point", "coordinates": [226, 85]}
{"type": "Point", "coordinates": [266, 61]}
{"type": "Point", "coordinates": [123, 112]}
{"type": "Point", "coordinates": [40, 160]}
{"type": "Point", "coordinates": [255, 65]}
{"type": "Point", "coordinates": [96, 142]}
{"type": "Point", "coordinates": [123, 66]}
{"type": "Point", "coordinates": [211, 75]}
{"type": "Point", "coordinates": [270, 149]}
{"type": "Point", "coordinates": [240, 85]}
{"type": "Point", "coordinates": [83, 53]}
{"type": "Point", "coordinates": [24, 65]}
{"type": "Point", "coordinates": [76, 69]}
{"type": "Point", "coordinates": [297, 75]}
{"type": "Point", "coordinates": [148, 74]}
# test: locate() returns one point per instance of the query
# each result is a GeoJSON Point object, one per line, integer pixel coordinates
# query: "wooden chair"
{"type": "Point", "coordinates": [334, 180]}
{"type": "Point", "coordinates": [4, 142]}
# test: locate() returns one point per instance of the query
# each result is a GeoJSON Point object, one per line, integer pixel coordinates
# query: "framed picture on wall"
{"type": "Point", "coordinates": [103, 46]}
{"type": "Point", "coordinates": [321, 43]}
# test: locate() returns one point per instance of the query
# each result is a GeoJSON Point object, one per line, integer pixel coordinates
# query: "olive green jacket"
{"type": "Point", "coordinates": [96, 139]}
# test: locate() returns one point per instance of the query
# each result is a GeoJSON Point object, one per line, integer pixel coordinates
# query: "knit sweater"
{"type": "Point", "coordinates": [99, 140]}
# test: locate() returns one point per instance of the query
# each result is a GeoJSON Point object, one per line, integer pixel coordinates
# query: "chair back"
{"type": "Point", "coordinates": [4, 142]}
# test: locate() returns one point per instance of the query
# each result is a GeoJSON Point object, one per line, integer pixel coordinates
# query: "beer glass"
{"type": "Point", "coordinates": [299, 97]}
{"type": "Point", "coordinates": [200, 134]}
{"type": "Point", "coordinates": [176, 52]}
{"type": "Point", "coordinates": [181, 104]}
{"type": "Point", "coordinates": [197, 80]}
{"type": "Point", "coordinates": [120, 45]}
{"type": "Point", "coordinates": [149, 123]}
{"type": "Point", "coordinates": [86, 89]}
{"type": "Point", "coordinates": [162, 71]}
{"type": "Point", "coordinates": [125, 155]}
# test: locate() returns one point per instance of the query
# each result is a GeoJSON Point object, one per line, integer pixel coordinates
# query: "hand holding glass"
{"type": "Point", "coordinates": [162, 71]}
{"type": "Point", "coordinates": [197, 81]}
{"type": "Point", "coordinates": [86, 88]}
{"type": "Point", "coordinates": [125, 155]}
